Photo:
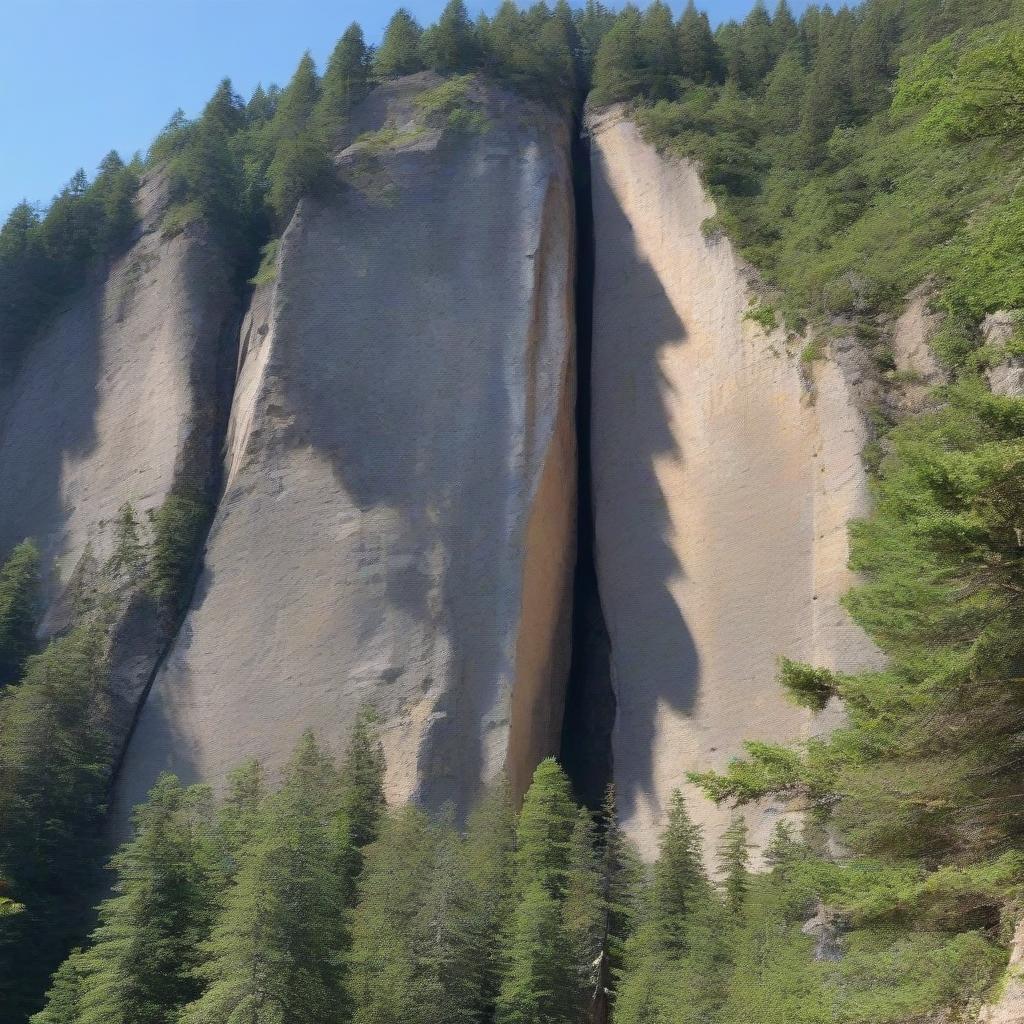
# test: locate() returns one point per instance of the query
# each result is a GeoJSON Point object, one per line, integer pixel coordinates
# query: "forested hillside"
{"type": "Point", "coordinates": [854, 155]}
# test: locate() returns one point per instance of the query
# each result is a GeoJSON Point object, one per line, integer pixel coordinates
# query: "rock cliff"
{"type": "Point", "coordinates": [117, 402]}
{"type": "Point", "coordinates": [397, 523]}
{"type": "Point", "coordinates": [725, 470]}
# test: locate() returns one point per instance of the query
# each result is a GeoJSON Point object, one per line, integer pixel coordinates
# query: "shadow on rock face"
{"type": "Point", "coordinates": [635, 323]}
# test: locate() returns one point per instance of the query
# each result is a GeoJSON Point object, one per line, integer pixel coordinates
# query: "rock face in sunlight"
{"type": "Point", "coordinates": [116, 403]}
{"type": "Point", "coordinates": [725, 470]}
{"type": "Point", "coordinates": [397, 526]}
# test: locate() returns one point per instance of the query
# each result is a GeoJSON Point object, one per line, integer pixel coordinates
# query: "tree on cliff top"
{"type": "Point", "coordinates": [399, 51]}
{"type": "Point", "coordinates": [19, 610]}
{"type": "Point", "coordinates": [344, 84]}
{"type": "Point", "coordinates": [451, 45]}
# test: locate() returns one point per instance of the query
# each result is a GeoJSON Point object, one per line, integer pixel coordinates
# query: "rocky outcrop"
{"type": "Point", "coordinates": [1008, 1007]}
{"type": "Point", "coordinates": [918, 370]}
{"type": "Point", "coordinates": [116, 402]}
{"type": "Point", "coordinates": [397, 525]}
{"type": "Point", "coordinates": [725, 472]}
{"type": "Point", "coordinates": [1006, 376]}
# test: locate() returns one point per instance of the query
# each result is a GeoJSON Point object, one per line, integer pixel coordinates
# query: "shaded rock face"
{"type": "Point", "coordinates": [116, 402]}
{"type": "Point", "coordinates": [724, 475]}
{"type": "Point", "coordinates": [1006, 377]}
{"type": "Point", "coordinates": [397, 524]}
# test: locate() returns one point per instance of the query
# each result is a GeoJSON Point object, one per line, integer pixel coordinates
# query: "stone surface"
{"type": "Point", "coordinates": [397, 527]}
{"type": "Point", "coordinates": [918, 369]}
{"type": "Point", "coordinates": [116, 402]}
{"type": "Point", "coordinates": [1007, 377]}
{"type": "Point", "coordinates": [724, 476]}
{"type": "Point", "coordinates": [1008, 1008]}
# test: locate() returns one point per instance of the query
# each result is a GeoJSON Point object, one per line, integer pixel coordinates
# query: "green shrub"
{"type": "Point", "coordinates": [179, 526]}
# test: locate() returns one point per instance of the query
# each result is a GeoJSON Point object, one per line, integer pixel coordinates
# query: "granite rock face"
{"type": "Point", "coordinates": [725, 472]}
{"type": "Point", "coordinates": [117, 402]}
{"type": "Point", "coordinates": [398, 520]}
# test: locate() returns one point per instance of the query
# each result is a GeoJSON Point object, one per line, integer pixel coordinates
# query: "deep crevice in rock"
{"type": "Point", "coordinates": [590, 699]}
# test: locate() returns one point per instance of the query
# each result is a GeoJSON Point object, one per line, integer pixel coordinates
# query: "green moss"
{"type": "Point", "coordinates": [179, 216]}
{"type": "Point", "coordinates": [268, 263]}
{"type": "Point", "coordinates": [763, 315]}
{"type": "Point", "coordinates": [812, 351]}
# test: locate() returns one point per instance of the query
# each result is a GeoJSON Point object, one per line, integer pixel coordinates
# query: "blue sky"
{"type": "Point", "coordinates": [81, 77]}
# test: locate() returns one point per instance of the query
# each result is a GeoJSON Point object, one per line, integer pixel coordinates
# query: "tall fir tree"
{"type": "Point", "coordinates": [344, 84]}
{"type": "Point", "coordinates": [734, 862]}
{"type": "Point", "coordinates": [19, 610]}
{"type": "Point", "coordinates": [399, 51]}
{"type": "Point", "coordinates": [545, 830]}
{"type": "Point", "coordinates": [451, 45]}
{"type": "Point", "coordinates": [277, 952]}
{"type": "Point", "coordinates": [698, 55]}
{"type": "Point", "coordinates": [142, 962]}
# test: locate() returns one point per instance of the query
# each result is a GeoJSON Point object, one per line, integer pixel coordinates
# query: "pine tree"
{"type": "Point", "coordinates": [785, 30]}
{"type": "Point", "coordinates": [619, 66]}
{"type": "Point", "coordinates": [733, 861]}
{"type": "Point", "coordinates": [277, 951]}
{"type": "Point", "coordinates": [593, 23]}
{"type": "Point", "coordinates": [344, 84]}
{"type": "Point", "coordinates": [545, 830]}
{"type": "Point", "coordinates": [399, 51]}
{"type": "Point", "coordinates": [240, 815]}
{"type": "Point", "coordinates": [64, 998]}
{"type": "Point", "coordinates": [19, 610]}
{"type": "Point", "coordinates": [450, 45]}
{"type": "Point", "coordinates": [225, 110]}
{"type": "Point", "coordinates": [55, 760]}
{"type": "Point", "coordinates": [416, 954]}
{"type": "Point", "coordinates": [490, 869]}
{"type": "Point", "coordinates": [698, 55]}
{"type": "Point", "coordinates": [141, 965]}
{"type": "Point", "coordinates": [659, 48]}
{"type": "Point", "coordinates": [679, 877]}
{"type": "Point", "coordinates": [784, 95]}
{"type": "Point", "coordinates": [362, 779]}
{"type": "Point", "coordinates": [758, 47]}
{"type": "Point", "coordinates": [540, 979]}
{"type": "Point", "coordinates": [583, 913]}
{"type": "Point", "coordinates": [622, 876]}
{"type": "Point", "coordinates": [297, 100]}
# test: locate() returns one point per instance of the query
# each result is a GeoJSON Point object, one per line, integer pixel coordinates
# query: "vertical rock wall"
{"type": "Point", "coordinates": [397, 527]}
{"type": "Point", "coordinates": [116, 402]}
{"type": "Point", "coordinates": [724, 472]}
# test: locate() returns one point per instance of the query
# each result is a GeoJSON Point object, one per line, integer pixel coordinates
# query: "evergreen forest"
{"type": "Point", "coordinates": [854, 154]}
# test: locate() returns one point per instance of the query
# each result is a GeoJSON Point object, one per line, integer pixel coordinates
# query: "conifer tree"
{"type": "Point", "coordinates": [785, 30]}
{"type": "Point", "coordinates": [545, 830]}
{"type": "Point", "coordinates": [362, 779]}
{"type": "Point", "coordinates": [490, 870]}
{"type": "Point", "coordinates": [19, 609]}
{"type": "Point", "coordinates": [679, 877]}
{"type": "Point", "coordinates": [225, 110]}
{"type": "Point", "coordinates": [129, 554]}
{"type": "Point", "coordinates": [758, 46]}
{"type": "Point", "coordinates": [344, 84]}
{"type": "Point", "coordinates": [583, 912]}
{"type": "Point", "coordinates": [297, 100]}
{"type": "Point", "coordinates": [592, 24]}
{"type": "Point", "coordinates": [64, 998]}
{"type": "Point", "coordinates": [416, 954]}
{"type": "Point", "coordinates": [399, 51]}
{"type": "Point", "coordinates": [141, 965]}
{"type": "Point", "coordinates": [733, 861]}
{"type": "Point", "coordinates": [698, 56]}
{"type": "Point", "coordinates": [540, 980]}
{"type": "Point", "coordinates": [619, 64]}
{"type": "Point", "coordinates": [54, 769]}
{"type": "Point", "coordinates": [260, 108]}
{"type": "Point", "coordinates": [240, 815]}
{"type": "Point", "coordinates": [622, 878]}
{"type": "Point", "coordinates": [659, 47]}
{"type": "Point", "coordinates": [451, 45]}
{"type": "Point", "coordinates": [277, 951]}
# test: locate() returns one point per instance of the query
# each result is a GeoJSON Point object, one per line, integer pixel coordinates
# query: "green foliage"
{"type": "Point", "coordinates": [733, 863]}
{"type": "Point", "coordinates": [267, 271]}
{"type": "Point", "coordinates": [362, 786]}
{"type": "Point", "coordinates": [55, 760]}
{"type": "Point", "coordinates": [764, 316]}
{"type": "Point", "coordinates": [399, 51]}
{"type": "Point", "coordinates": [451, 45]}
{"type": "Point", "coordinates": [450, 105]}
{"type": "Point", "coordinates": [344, 84]}
{"type": "Point", "coordinates": [19, 610]}
{"type": "Point", "coordinates": [178, 527]}
{"type": "Point", "coordinates": [144, 955]}
{"type": "Point", "coordinates": [275, 953]}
